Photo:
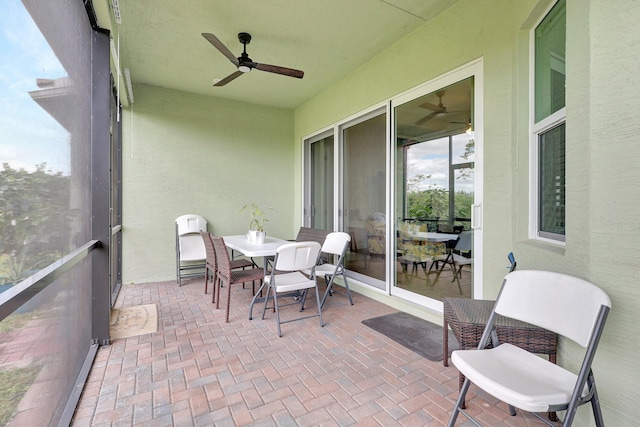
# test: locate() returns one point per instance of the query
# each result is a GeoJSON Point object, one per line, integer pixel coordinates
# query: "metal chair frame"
{"type": "Point", "coordinates": [568, 306]}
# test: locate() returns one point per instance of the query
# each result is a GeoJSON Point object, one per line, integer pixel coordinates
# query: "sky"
{"type": "Point", "coordinates": [432, 158]}
{"type": "Point", "coordinates": [28, 135]}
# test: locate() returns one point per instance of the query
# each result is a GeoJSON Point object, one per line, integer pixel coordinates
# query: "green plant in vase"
{"type": "Point", "coordinates": [256, 231]}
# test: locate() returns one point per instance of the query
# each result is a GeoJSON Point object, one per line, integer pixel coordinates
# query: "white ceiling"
{"type": "Point", "coordinates": [161, 42]}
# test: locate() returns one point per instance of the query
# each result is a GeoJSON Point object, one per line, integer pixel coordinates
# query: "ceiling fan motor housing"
{"type": "Point", "coordinates": [245, 38]}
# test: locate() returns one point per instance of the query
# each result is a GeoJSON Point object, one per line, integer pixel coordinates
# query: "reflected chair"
{"type": "Point", "coordinates": [375, 228]}
{"type": "Point", "coordinates": [286, 277]}
{"type": "Point", "coordinates": [335, 246]}
{"type": "Point", "coordinates": [211, 268]}
{"type": "Point", "coordinates": [456, 259]}
{"type": "Point", "coordinates": [226, 274]}
{"type": "Point", "coordinates": [190, 251]}
{"type": "Point", "coordinates": [568, 306]}
{"type": "Point", "coordinates": [418, 251]}
{"type": "Point", "coordinates": [404, 230]}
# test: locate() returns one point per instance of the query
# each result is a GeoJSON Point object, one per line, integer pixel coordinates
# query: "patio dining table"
{"type": "Point", "coordinates": [250, 249]}
{"type": "Point", "coordinates": [432, 236]}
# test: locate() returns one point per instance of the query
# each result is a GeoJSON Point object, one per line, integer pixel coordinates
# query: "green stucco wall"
{"type": "Point", "coordinates": [186, 153]}
{"type": "Point", "coordinates": [603, 209]}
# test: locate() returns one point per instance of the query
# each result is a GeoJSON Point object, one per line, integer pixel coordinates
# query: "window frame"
{"type": "Point", "coordinates": [537, 129]}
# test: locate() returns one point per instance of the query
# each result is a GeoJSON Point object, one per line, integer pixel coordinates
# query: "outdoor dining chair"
{"type": "Point", "coordinates": [416, 251]}
{"type": "Point", "coordinates": [286, 277]}
{"type": "Point", "coordinates": [190, 251]}
{"type": "Point", "coordinates": [335, 246]}
{"type": "Point", "coordinates": [566, 305]}
{"type": "Point", "coordinates": [455, 257]}
{"type": "Point", "coordinates": [211, 268]}
{"type": "Point", "coordinates": [227, 275]}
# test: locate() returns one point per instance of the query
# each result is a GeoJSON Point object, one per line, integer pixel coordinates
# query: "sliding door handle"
{"type": "Point", "coordinates": [476, 216]}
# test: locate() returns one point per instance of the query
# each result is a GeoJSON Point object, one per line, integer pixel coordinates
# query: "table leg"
{"type": "Point", "coordinates": [265, 262]}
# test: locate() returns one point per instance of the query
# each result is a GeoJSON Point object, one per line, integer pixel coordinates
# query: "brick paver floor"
{"type": "Point", "coordinates": [198, 370]}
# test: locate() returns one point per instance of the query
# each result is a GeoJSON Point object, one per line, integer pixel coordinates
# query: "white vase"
{"type": "Point", "coordinates": [260, 236]}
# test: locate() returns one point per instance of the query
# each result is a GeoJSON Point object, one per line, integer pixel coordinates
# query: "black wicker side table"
{"type": "Point", "coordinates": [468, 318]}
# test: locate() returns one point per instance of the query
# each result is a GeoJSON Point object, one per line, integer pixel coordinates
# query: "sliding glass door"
{"type": "Point", "coordinates": [405, 181]}
{"type": "Point", "coordinates": [363, 172]}
{"type": "Point", "coordinates": [319, 194]}
{"type": "Point", "coordinates": [434, 192]}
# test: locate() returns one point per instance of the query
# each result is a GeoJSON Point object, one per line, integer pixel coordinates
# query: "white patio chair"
{"type": "Point", "coordinates": [191, 255]}
{"type": "Point", "coordinates": [335, 246]}
{"type": "Point", "coordinates": [568, 306]}
{"type": "Point", "coordinates": [286, 277]}
{"type": "Point", "coordinates": [455, 257]}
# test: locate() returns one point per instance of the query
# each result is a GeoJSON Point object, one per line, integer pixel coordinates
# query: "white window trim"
{"type": "Point", "coordinates": [555, 119]}
{"type": "Point", "coordinates": [549, 122]}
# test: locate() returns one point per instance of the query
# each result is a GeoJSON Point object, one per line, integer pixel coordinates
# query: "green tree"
{"type": "Point", "coordinates": [34, 220]}
{"type": "Point", "coordinates": [430, 203]}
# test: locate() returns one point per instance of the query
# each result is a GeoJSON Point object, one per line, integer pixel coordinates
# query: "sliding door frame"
{"type": "Point", "coordinates": [472, 69]}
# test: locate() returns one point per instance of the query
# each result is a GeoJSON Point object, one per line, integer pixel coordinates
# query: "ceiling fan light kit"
{"type": "Point", "coordinates": [244, 63]}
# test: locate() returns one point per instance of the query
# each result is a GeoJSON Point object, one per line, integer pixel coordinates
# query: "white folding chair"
{"type": "Point", "coordinates": [335, 245]}
{"type": "Point", "coordinates": [191, 255]}
{"type": "Point", "coordinates": [455, 257]}
{"type": "Point", "coordinates": [286, 276]}
{"type": "Point", "coordinates": [568, 306]}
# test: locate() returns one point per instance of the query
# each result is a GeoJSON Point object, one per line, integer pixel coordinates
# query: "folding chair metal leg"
{"type": "Point", "coordinates": [460, 404]}
{"type": "Point", "coordinates": [329, 283]}
{"type": "Point", "coordinates": [346, 285]}
{"type": "Point", "coordinates": [595, 402]}
{"type": "Point", "coordinates": [427, 272]}
{"type": "Point", "coordinates": [456, 276]}
{"type": "Point", "coordinates": [595, 405]}
{"type": "Point", "coordinates": [275, 303]}
{"type": "Point", "coordinates": [319, 307]}
{"type": "Point", "coordinates": [266, 301]}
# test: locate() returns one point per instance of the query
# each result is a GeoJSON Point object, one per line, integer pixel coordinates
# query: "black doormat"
{"type": "Point", "coordinates": [425, 338]}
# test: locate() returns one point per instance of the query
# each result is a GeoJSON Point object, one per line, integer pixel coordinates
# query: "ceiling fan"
{"type": "Point", "coordinates": [437, 110]}
{"type": "Point", "coordinates": [244, 63]}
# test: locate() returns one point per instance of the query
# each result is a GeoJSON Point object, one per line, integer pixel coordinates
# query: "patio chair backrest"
{"type": "Point", "coordinates": [336, 243]}
{"type": "Point", "coordinates": [563, 304]}
{"type": "Point", "coordinates": [297, 256]}
{"type": "Point", "coordinates": [190, 223]}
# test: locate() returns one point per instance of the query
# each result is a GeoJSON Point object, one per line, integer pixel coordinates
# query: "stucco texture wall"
{"type": "Point", "coordinates": [603, 210]}
{"type": "Point", "coordinates": [186, 153]}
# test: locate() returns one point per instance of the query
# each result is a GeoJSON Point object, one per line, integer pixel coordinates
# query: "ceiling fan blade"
{"type": "Point", "coordinates": [426, 118]}
{"type": "Point", "coordinates": [229, 78]}
{"type": "Point", "coordinates": [280, 70]}
{"type": "Point", "coordinates": [221, 47]}
{"type": "Point", "coordinates": [430, 106]}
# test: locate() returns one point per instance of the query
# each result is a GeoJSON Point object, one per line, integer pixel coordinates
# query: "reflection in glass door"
{"type": "Point", "coordinates": [434, 193]}
{"type": "Point", "coordinates": [319, 195]}
{"type": "Point", "coordinates": [363, 197]}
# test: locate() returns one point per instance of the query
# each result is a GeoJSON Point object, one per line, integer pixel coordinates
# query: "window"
{"type": "Point", "coordinates": [548, 141]}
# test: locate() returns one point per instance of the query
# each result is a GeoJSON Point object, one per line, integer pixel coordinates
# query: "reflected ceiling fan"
{"type": "Point", "coordinates": [437, 110]}
{"type": "Point", "coordinates": [244, 63]}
